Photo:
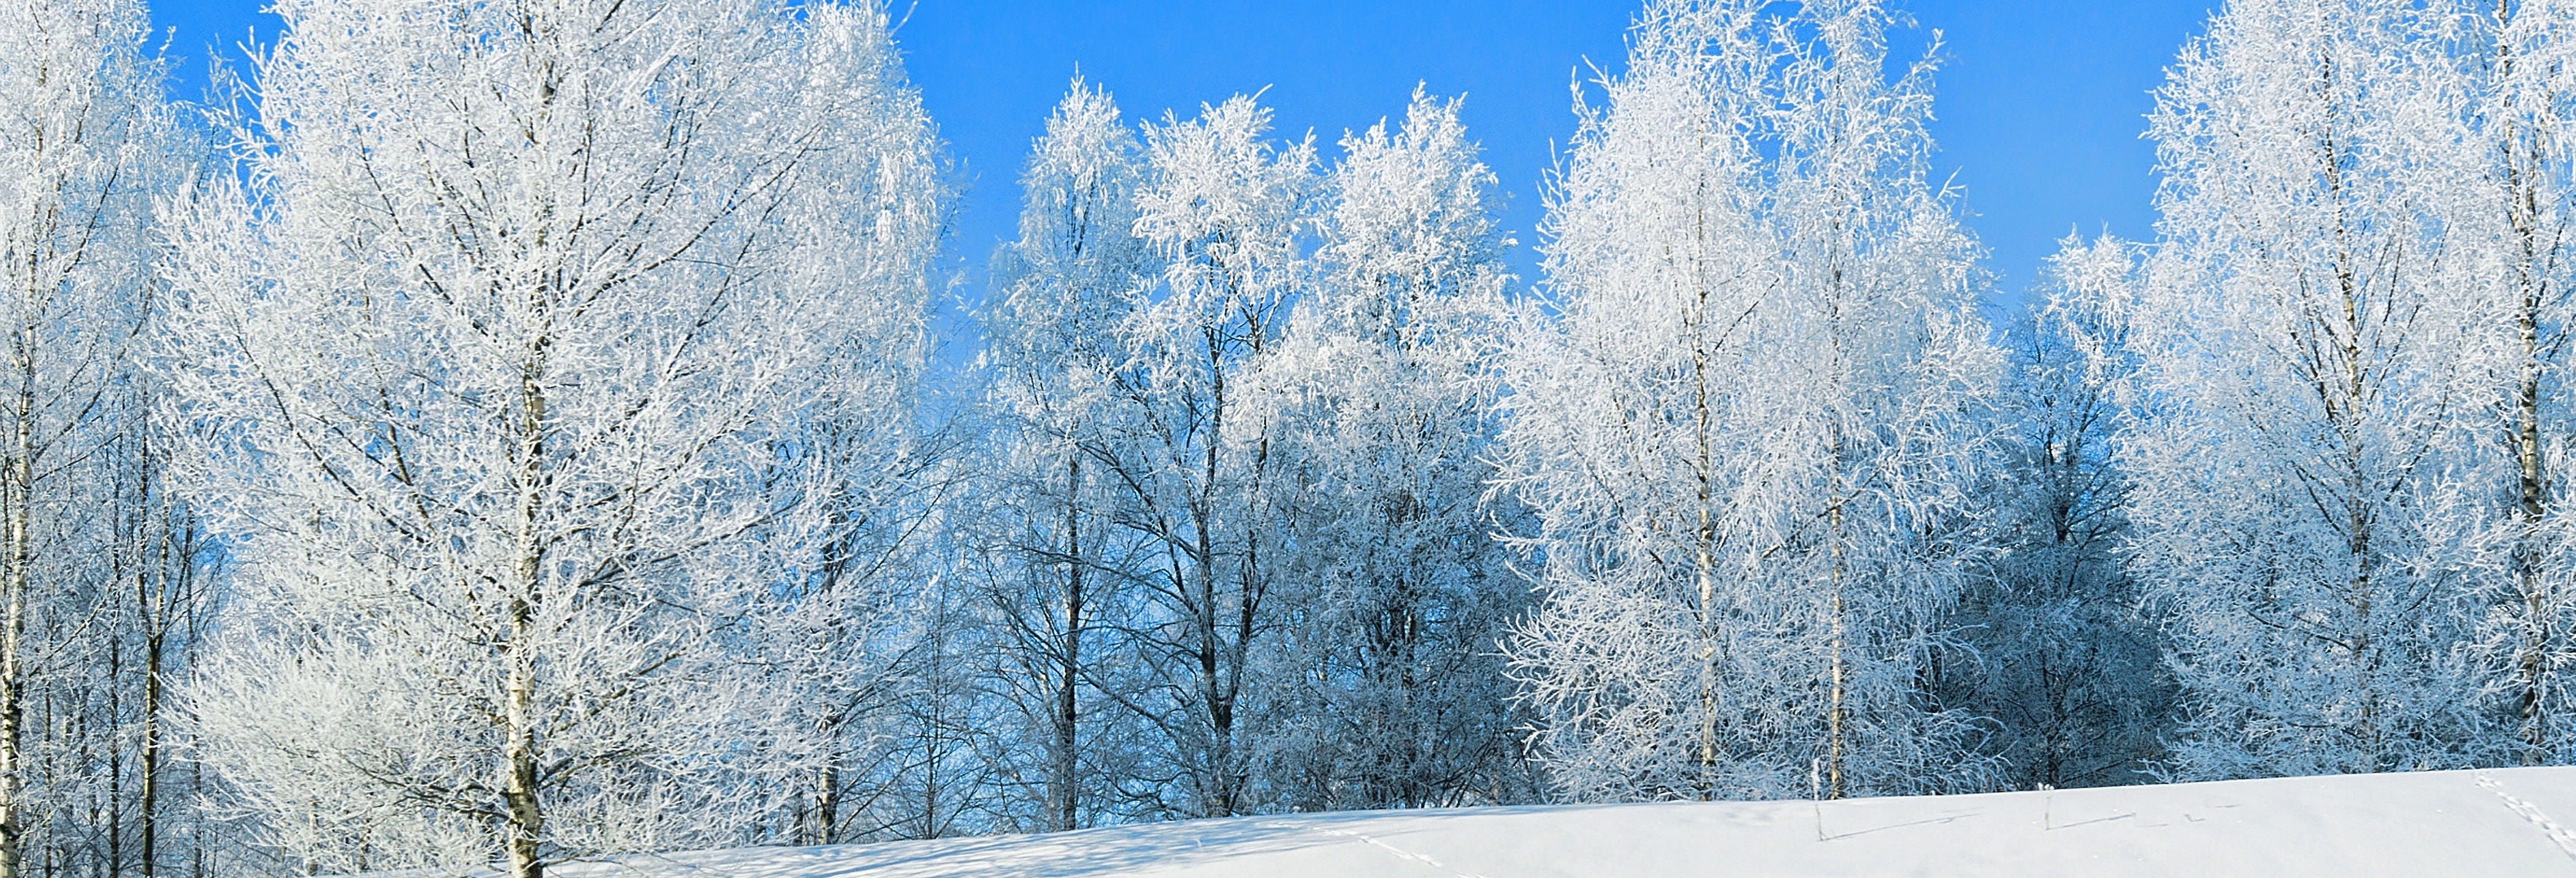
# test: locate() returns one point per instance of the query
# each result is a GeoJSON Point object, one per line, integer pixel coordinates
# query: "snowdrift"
{"type": "Point", "coordinates": [2500, 822]}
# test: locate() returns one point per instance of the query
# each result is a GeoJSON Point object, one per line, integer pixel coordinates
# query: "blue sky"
{"type": "Point", "coordinates": [2039, 108]}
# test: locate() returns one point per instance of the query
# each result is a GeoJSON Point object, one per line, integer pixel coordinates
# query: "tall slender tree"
{"type": "Point", "coordinates": [512, 349]}
{"type": "Point", "coordinates": [2063, 661]}
{"type": "Point", "coordinates": [1383, 386]}
{"type": "Point", "coordinates": [1222, 208]}
{"type": "Point", "coordinates": [2514, 227]}
{"type": "Point", "coordinates": [86, 144]}
{"type": "Point", "coordinates": [1054, 349]}
{"type": "Point", "coordinates": [2302, 468]}
{"type": "Point", "coordinates": [1749, 434]}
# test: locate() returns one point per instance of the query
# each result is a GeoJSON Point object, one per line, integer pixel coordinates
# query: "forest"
{"type": "Point", "coordinates": [504, 434]}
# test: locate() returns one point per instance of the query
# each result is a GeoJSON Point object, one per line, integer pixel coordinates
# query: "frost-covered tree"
{"type": "Point", "coordinates": [165, 600]}
{"type": "Point", "coordinates": [1054, 347]}
{"type": "Point", "coordinates": [1221, 209]}
{"type": "Point", "coordinates": [2515, 227]}
{"type": "Point", "coordinates": [928, 764]}
{"type": "Point", "coordinates": [2063, 661]}
{"type": "Point", "coordinates": [537, 355]}
{"type": "Point", "coordinates": [1748, 432]}
{"type": "Point", "coordinates": [871, 474]}
{"type": "Point", "coordinates": [86, 145]}
{"type": "Point", "coordinates": [1383, 390]}
{"type": "Point", "coordinates": [2303, 474]}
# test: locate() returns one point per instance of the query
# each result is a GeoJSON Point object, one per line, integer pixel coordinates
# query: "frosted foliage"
{"type": "Point", "coordinates": [515, 444]}
{"type": "Point", "coordinates": [86, 145]}
{"type": "Point", "coordinates": [1748, 435]}
{"type": "Point", "coordinates": [1382, 390]}
{"type": "Point", "coordinates": [2514, 228]}
{"type": "Point", "coordinates": [2061, 657]}
{"type": "Point", "coordinates": [2310, 438]}
{"type": "Point", "coordinates": [508, 355]}
{"type": "Point", "coordinates": [1054, 335]}
{"type": "Point", "coordinates": [1047, 508]}
{"type": "Point", "coordinates": [1221, 209]}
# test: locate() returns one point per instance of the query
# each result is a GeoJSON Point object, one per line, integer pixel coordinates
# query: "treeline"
{"type": "Point", "coordinates": [499, 435]}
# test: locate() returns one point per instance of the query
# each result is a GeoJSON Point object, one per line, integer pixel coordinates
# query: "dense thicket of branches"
{"type": "Point", "coordinates": [515, 440]}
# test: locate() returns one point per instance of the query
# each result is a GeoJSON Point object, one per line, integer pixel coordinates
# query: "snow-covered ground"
{"type": "Point", "coordinates": [2509, 822]}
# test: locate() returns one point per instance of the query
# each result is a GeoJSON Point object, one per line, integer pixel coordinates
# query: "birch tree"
{"type": "Point", "coordinates": [866, 473]}
{"type": "Point", "coordinates": [86, 144]}
{"type": "Point", "coordinates": [1747, 434]}
{"type": "Point", "coordinates": [1383, 388]}
{"type": "Point", "coordinates": [1054, 350]}
{"type": "Point", "coordinates": [2515, 228]}
{"type": "Point", "coordinates": [2064, 662]}
{"type": "Point", "coordinates": [2304, 469]}
{"type": "Point", "coordinates": [164, 583]}
{"type": "Point", "coordinates": [510, 344]}
{"type": "Point", "coordinates": [1221, 209]}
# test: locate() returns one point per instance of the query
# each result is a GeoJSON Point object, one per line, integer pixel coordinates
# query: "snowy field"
{"type": "Point", "coordinates": [2502, 822]}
